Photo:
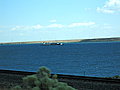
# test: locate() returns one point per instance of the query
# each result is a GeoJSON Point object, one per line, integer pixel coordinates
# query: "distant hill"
{"type": "Point", "coordinates": [67, 41]}
{"type": "Point", "coordinates": [101, 39]}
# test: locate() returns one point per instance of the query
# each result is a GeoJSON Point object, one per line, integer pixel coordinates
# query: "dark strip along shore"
{"type": "Point", "coordinates": [10, 78]}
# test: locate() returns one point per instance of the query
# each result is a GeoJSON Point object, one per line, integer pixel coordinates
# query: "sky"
{"type": "Point", "coordinates": [40, 20]}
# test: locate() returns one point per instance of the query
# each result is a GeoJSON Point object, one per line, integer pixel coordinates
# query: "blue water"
{"type": "Point", "coordinates": [89, 59]}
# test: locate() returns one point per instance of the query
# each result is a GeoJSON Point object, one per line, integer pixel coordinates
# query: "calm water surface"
{"type": "Point", "coordinates": [89, 59]}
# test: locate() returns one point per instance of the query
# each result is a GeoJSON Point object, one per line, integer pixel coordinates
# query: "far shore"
{"type": "Point", "coordinates": [51, 41]}
{"type": "Point", "coordinates": [66, 41]}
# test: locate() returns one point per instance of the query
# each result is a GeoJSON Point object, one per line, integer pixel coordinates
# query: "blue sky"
{"type": "Point", "coordinates": [39, 20]}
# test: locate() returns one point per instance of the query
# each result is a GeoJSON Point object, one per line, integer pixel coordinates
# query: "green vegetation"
{"type": "Point", "coordinates": [116, 77]}
{"type": "Point", "coordinates": [42, 81]}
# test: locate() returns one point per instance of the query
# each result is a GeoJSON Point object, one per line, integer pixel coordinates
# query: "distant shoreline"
{"type": "Point", "coordinates": [66, 41]}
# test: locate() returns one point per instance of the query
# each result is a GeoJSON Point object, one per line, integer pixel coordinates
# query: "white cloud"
{"type": "Point", "coordinates": [53, 21]}
{"type": "Point", "coordinates": [81, 24]}
{"type": "Point", "coordinates": [35, 27]}
{"type": "Point", "coordinates": [27, 27]}
{"type": "Point", "coordinates": [16, 27]}
{"type": "Point", "coordinates": [111, 6]}
{"type": "Point", "coordinates": [55, 26]}
{"type": "Point", "coordinates": [104, 10]}
{"type": "Point", "coordinates": [112, 3]}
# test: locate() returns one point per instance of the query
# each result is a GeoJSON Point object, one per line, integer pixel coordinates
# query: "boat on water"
{"type": "Point", "coordinates": [52, 44]}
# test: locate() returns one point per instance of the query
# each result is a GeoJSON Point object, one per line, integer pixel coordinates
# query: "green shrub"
{"type": "Point", "coordinates": [17, 88]}
{"type": "Point", "coordinates": [42, 81]}
{"type": "Point", "coordinates": [116, 77]}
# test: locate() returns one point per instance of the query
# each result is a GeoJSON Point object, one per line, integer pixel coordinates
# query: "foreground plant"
{"type": "Point", "coordinates": [42, 81]}
{"type": "Point", "coordinates": [116, 77]}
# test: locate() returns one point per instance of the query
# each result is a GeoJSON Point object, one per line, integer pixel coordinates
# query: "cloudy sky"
{"type": "Point", "coordinates": [38, 20]}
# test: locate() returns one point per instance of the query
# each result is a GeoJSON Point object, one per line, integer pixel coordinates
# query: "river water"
{"type": "Point", "coordinates": [101, 59]}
